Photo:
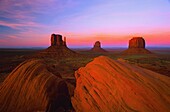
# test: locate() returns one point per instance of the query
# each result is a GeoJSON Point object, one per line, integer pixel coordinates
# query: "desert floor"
{"type": "Point", "coordinates": [159, 61]}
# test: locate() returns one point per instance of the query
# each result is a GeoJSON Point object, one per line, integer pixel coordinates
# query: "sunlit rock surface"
{"type": "Point", "coordinates": [30, 87]}
{"type": "Point", "coordinates": [106, 85]}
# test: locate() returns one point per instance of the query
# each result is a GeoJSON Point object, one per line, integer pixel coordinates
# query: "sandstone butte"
{"type": "Point", "coordinates": [106, 85]}
{"type": "Point", "coordinates": [58, 49]}
{"type": "Point", "coordinates": [97, 47]}
{"type": "Point", "coordinates": [30, 87]}
{"type": "Point", "coordinates": [136, 46]}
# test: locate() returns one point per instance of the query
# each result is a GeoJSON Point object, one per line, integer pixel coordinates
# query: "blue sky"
{"type": "Point", "coordinates": [27, 23]}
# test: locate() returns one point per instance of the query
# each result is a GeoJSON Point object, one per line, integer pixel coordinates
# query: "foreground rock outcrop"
{"type": "Point", "coordinates": [30, 87]}
{"type": "Point", "coordinates": [137, 46]}
{"type": "Point", "coordinates": [106, 85]}
{"type": "Point", "coordinates": [58, 49]}
{"type": "Point", "coordinates": [97, 47]}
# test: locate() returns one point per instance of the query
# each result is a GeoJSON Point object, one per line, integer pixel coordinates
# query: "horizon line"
{"type": "Point", "coordinates": [42, 47]}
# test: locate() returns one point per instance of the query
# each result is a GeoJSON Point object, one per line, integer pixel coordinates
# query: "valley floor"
{"type": "Point", "coordinates": [159, 61]}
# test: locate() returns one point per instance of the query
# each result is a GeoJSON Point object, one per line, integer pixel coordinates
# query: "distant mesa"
{"type": "Point", "coordinates": [30, 87]}
{"type": "Point", "coordinates": [97, 47]}
{"type": "Point", "coordinates": [58, 48]}
{"type": "Point", "coordinates": [137, 46]}
{"type": "Point", "coordinates": [106, 85]}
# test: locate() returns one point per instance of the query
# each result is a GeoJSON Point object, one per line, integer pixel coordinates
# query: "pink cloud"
{"type": "Point", "coordinates": [18, 25]}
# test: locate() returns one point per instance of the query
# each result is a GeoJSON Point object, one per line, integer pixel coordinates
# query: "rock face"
{"type": "Point", "coordinates": [64, 42]}
{"type": "Point", "coordinates": [137, 42]}
{"type": "Point", "coordinates": [30, 87]}
{"type": "Point", "coordinates": [56, 40]}
{"type": "Point", "coordinates": [97, 44]}
{"type": "Point", "coordinates": [106, 85]}
{"type": "Point", "coordinates": [97, 47]}
{"type": "Point", "coordinates": [58, 48]}
{"type": "Point", "coordinates": [137, 46]}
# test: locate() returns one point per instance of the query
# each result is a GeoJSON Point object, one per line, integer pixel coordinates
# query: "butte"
{"type": "Point", "coordinates": [97, 47]}
{"type": "Point", "coordinates": [137, 46]}
{"type": "Point", "coordinates": [58, 48]}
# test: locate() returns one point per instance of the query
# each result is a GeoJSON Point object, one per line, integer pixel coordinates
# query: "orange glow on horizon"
{"type": "Point", "coordinates": [81, 40]}
{"type": "Point", "coordinates": [118, 40]}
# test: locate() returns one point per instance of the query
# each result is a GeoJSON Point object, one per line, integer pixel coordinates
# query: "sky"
{"type": "Point", "coordinates": [30, 23]}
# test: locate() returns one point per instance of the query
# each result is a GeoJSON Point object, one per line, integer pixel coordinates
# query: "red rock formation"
{"type": "Point", "coordinates": [30, 87]}
{"type": "Point", "coordinates": [137, 42]}
{"type": "Point", "coordinates": [106, 85]}
{"type": "Point", "coordinates": [57, 52]}
{"type": "Point", "coordinates": [56, 40]}
{"type": "Point", "coordinates": [64, 43]}
{"type": "Point", "coordinates": [97, 44]}
{"type": "Point", "coordinates": [58, 49]}
{"type": "Point", "coordinates": [136, 46]}
{"type": "Point", "coordinates": [97, 47]}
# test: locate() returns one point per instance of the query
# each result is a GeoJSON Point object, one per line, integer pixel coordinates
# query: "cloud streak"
{"type": "Point", "coordinates": [19, 25]}
{"type": "Point", "coordinates": [29, 21]}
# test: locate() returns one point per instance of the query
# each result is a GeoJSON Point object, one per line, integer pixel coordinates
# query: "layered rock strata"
{"type": "Point", "coordinates": [106, 85]}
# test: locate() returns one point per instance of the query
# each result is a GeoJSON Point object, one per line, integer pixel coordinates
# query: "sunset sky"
{"type": "Point", "coordinates": [29, 23]}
